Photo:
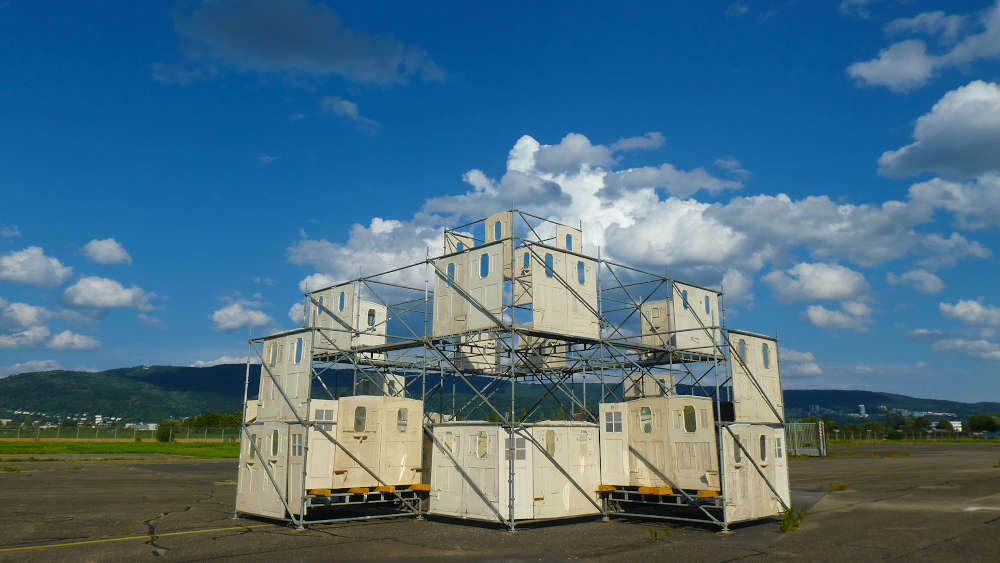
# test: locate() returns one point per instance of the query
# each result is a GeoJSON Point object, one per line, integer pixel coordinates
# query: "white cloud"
{"type": "Point", "coordinates": [900, 67]}
{"type": "Point", "coordinates": [858, 8]}
{"type": "Point", "coordinates": [794, 362]}
{"type": "Point", "coordinates": [149, 320]}
{"type": "Point", "coordinates": [921, 280]}
{"type": "Point", "coordinates": [235, 315]}
{"type": "Point", "coordinates": [733, 167]}
{"type": "Point", "coordinates": [349, 110]}
{"type": "Point", "coordinates": [737, 9]}
{"type": "Point", "coordinates": [972, 312]}
{"type": "Point", "coordinates": [32, 267]}
{"type": "Point", "coordinates": [316, 281]}
{"type": "Point", "coordinates": [854, 316]}
{"type": "Point", "coordinates": [297, 313]}
{"type": "Point", "coordinates": [975, 204]}
{"type": "Point", "coordinates": [22, 315]}
{"type": "Point", "coordinates": [296, 37]}
{"type": "Point", "coordinates": [266, 158]}
{"type": "Point", "coordinates": [809, 281]}
{"type": "Point", "coordinates": [929, 23]}
{"type": "Point", "coordinates": [29, 367]}
{"type": "Point", "coordinates": [959, 137]}
{"type": "Point", "coordinates": [107, 251]}
{"type": "Point", "coordinates": [649, 141]}
{"type": "Point", "coordinates": [224, 360]}
{"type": "Point", "coordinates": [982, 349]}
{"type": "Point", "coordinates": [680, 183]}
{"type": "Point", "coordinates": [104, 293]}
{"type": "Point", "coordinates": [907, 65]}
{"type": "Point", "coordinates": [67, 340]}
{"type": "Point", "coordinates": [9, 231]}
{"type": "Point", "coordinates": [737, 286]}
{"type": "Point", "coordinates": [924, 332]}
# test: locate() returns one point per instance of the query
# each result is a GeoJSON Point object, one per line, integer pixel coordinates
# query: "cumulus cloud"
{"type": "Point", "coordinates": [906, 65]}
{"type": "Point", "coordinates": [293, 36]}
{"type": "Point", "coordinates": [737, 286]}
{"type": "Point", "coordinates": [67, 340]}
{"type": "Point", "coordinates": [30, 366]}
{"type": "Point", "coordinates": [649, 141]}
{"type": "Point", "coordinates": [921, 280]}
{"type": "Point", "coordinates": [971, 312]}
{"type": "Point", "coordinates": [794, 362]}
{"type": "Point", "coordinates": [107, 251]}
{"type": "Point", "coordinates": [103, 293]}
{"type": "Point", "coordinates": [236, 315]}
{"type": "Point", "coordinates": [32, 267]}
{"type": "Point", "coordinates": [350, 111]}
{"type": "Point", "coordinates": [297, 313]}
{"type": "Point", "coordinates": [975, 204]}
{"type": "Point", "coordinates": [316, 281]}
{"type": "Point", "coordinates": [959, 137]}
{"type": "Point", "coordinates": [22, 315]}
{"type": "Point", "coordinates": [854, 316]}
{"type": "Point", "coordinates": [982, 349]}
{"type": "Point", "coordinates": [225, 360]}
{"type": "Point", "coordinates": [924, 332]}
{"type": "Point", "coordinates": [810, 281]}
{"type": "Point", "coordinates": [937, 23]}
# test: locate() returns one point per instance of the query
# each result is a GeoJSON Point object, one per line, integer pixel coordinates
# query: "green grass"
{"type": "Point", "coordinates": [911, 441]}
{"type": "Point", "coordinates": [790, 520]}
{"type": "Point", "coordinates": [216, 450]}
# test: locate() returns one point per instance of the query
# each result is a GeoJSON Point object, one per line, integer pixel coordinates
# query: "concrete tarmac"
{"type": "Point", "coordinates": [890, 501]}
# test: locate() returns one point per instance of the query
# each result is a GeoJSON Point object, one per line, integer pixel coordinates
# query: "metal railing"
{"type": "Point", "coordinates": [174, 433]}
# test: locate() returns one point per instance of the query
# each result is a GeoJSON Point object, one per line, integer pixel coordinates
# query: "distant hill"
{"type": "Point", "coordinates": [153, 393]}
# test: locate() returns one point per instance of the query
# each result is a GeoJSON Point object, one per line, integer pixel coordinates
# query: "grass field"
{"type": "Point", "coordinates": [193, 449]}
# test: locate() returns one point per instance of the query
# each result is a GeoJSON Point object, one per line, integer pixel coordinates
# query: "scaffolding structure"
{"type": "Point", "coordinates": [513, 317]}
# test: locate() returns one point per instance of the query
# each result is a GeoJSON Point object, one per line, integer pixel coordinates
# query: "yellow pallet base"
{"type": "Point", "coordinates": [655, 491]}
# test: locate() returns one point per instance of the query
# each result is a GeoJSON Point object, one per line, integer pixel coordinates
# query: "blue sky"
{"type": "Point", "coordinates": [173, 173]}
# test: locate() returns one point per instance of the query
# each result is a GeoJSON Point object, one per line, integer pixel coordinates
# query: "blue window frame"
{"type": "Point", "coordinates": [766, 353]}
{"type": "Point", "coordinates": [580, 276]}
{"type": "Point", "coordinates": [451, 274]}
{"type": "Point", "coordinates": [569, 242]}
{"type": "Point", "coordinates": [497, 231]}
{"type": "Point", "coordinates": [298, 350]}
{"type": "Point", "coordinates": [484, 265]}
{"type": "Point", "coordinates": [341, 304]}
{"type": "Point", "coordinates": [527, 260]}
{"type": "Point", "coordinates": [461, 247]}
{"type": "Point", "coordinates": [743, 350]}
{"type": "Point", "coordinates": [684, 296]}
{"type": "Point", "coordinates": [708, 308]}
{"type": "Point", "coordinates": [549, 269]}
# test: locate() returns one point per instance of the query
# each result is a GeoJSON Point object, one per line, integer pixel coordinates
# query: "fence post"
{"type": "Point", "coordinates": [78, 431]}
{"type": "Point", "coordinates": [116, 433]}
{"type": "Point", "coordinates": [58, 429]}
{"type": "Point", "coordinates": [223, 437]}
{"type": "Point", "coordinates": [189, 433]}
{"type": "Point", "coordinates": [206, 433]}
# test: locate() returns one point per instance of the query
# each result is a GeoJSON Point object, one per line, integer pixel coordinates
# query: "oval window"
{"type": "Point", "coordinates": [766, 353]}
{"type": "Point", "coordinates": [461, 246]}
{"type": "Point", "coordinates": [743, 350]}
{"type": "Point", "coordinates": [580, 273]}
{"type": "Point", "coordinates": [708, 307]}
{"type": "Point", "coordinates": [451, 274]}
{"type": "Point", "coordinates": [360, 417]}
{"type": "Point", "coordinates": [737, 450]}
{"type": "Point", "coordinates": [569, 242]}
{"type": "Point", "coordinates": [341, 305]}
{"type": "Point", "coordinates": [497, 231]}
{"type": "Point", "coordinates": [690, 422]}
{"type": "Point", "coordinates": [274, 443]}
{"type": "Point", "coordinates": [484, 266]}
{"type": "Point", "coordinates": [402, 420]}
{"type": "Point", "coordinates": [298, 350]}
{"type": "Point", "coordinates": [684, 298]}
{"type": "Point", "coordinates": [763, 448]}
{"type": "Point", "coordinates": [549, 263]}
{"type": "Point", "coordinates": [449, 442]}
{"type": "Point", "coordinates": [646, 420]}
{"type": "Point", "coordinates": [527, 260]}
{"type": "Point", "coordinates": [482, 444]}
{"type": "Point", "coordinates": [550, 442]}
{"type": "Point", "coordinates": [371, 317]}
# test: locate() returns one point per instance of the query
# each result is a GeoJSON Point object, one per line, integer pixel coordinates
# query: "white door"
{"type": "Point", "coordinates": [780, 467]}
{"type": "Point", "coordinates": [446, 482]}
{"type": "Point", "coordinates": [275, 453]}
{"type": "Point", "coordinates": [737, 473]}
{"type": "Point", "coordinates": [359, 433]}
{"type": "Point", "coordinates": [485, 286]}
{"type": "Point", "coordinates": [614, 445]}
{"type": "Point", "coordinates": [523, 479]}
{"type": "Point", "coordinates": [479, 452]}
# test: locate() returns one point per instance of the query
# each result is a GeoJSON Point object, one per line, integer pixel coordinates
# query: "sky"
{"type": "Point", "coordinates": [174, 175]}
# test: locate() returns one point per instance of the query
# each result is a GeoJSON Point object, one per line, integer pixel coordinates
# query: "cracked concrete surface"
{"type": "Point", "coordinates": [927, 502]}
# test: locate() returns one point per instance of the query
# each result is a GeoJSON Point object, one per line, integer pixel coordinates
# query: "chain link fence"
{"type": "Point", "coordinates": [175, 433]}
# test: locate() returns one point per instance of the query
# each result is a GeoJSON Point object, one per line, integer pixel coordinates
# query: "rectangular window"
{"type": "Point", "coordinates": [612, 422]}
{"type": "Point", "coordinates": [646, 420]}
{"type": "Point", "coordinates": [402, 420]}
{"type": "Point", "coordinates": [274, 443]}
{"type": "Point", "coordinates": [484, 266]}
{"type": "Point", "coordinates": [360, 416]}
{"type": "Point", "coordinates": [297, 447]}
{"type": "Point", "coordinates": [777, 447]}
{"type": "Point", "coordinates": [520, 451]}
{"type": "Point", "coordinates": [298, 350]}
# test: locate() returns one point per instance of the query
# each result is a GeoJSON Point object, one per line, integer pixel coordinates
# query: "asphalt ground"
{"type": "Point", "coordinates": [891, 501]}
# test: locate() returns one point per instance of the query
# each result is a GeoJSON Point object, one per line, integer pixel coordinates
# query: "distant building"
{"type": "Point", "coordinates": [956, 425]}
{"type": "Point", "coordinates": [861, 410]}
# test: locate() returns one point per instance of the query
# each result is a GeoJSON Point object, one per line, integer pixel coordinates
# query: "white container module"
{"type": "Point", "coordinates": [384, 435]}
{"type": "Point", "coordinates": [748, 495]}
{"type": "Point", "coordinates": [675, 435]}
{"type": "Point", "coordinates": [541, 488]}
